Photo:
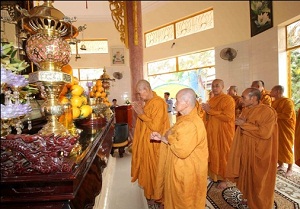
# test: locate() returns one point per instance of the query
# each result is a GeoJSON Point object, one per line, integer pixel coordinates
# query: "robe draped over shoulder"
{"type": "Point", "coordinates": [145, 153]}
{"type": "Point", "coordinates": [286, 119]}
{"type": "Point", "coordinates": [252, 162]}
{"type": "Point", "coordinates": [183, 166]}
{"type": "Point", "coordinates": [266, 98]}
{"type": "Point", "coordinates": [220, 129]}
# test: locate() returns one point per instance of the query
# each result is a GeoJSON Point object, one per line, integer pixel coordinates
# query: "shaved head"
{"type": "Point", "coordinates": [232, 90]}
{"type": "Point", "coordinates": [188, 95]}
{"type": "Point", "coordinates": [143, 84]}
{"type": "Point", "coordinates": [217, 86]}
{"type": "Point", "coordinates": [257, 84]}
{"type": "Point", "coordinates": [219, 81]}
{"type": "Point", "coordinates": [277, 91]}
{"type": "Point", "coordinates": [144, 90]}
{"type": "Point", "coordinates": [185, 101]}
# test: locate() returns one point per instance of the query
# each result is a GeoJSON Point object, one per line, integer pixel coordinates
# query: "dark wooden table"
{"type": "Point", "coordinates": [73, 189]}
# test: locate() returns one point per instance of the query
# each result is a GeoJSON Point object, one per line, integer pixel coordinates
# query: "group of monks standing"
{"type": "Point", "coordinates": [243, 139]}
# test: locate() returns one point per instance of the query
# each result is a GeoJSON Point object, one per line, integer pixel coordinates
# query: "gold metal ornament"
{"type": "Point", "coordinates": [49, 51]}
{"type": "Point", "coordinates": [119, 16]}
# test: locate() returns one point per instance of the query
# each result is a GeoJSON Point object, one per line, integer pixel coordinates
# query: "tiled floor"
{"type": "Point", "coordinates": [117, 190]}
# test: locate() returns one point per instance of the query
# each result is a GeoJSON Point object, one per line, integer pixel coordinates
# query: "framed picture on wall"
{"type": "Point", "coordinates": [117, 56]}
{"type": "Point", "coordinates": [261, 16]}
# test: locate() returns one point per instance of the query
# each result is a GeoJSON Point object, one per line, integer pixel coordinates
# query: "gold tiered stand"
{"type": "Point", "coordinates": [49, 51]}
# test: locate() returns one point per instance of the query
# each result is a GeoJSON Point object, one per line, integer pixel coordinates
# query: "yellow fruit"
{"type": "Point", "coordinates": [63, 100]}
{"type": "Point", "coordinates": [85, 111]}
{"type": "Point", "coordinates": [76, 90]}
{"type": "Point", "coordinates": [76, 112]}
{"type": "Point", "coordinates": [84, 100]}
{"type": "Point", "coordinates": [98, 83]}
{"type": "Point", "coordinates": [76, 101]}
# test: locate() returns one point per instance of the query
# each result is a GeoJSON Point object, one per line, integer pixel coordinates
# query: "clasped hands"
{"type": "Point", "coordinates": [158, 137]}
{"type": "Point", "coordinates": [205, 107]}
{"type": "Point", "coordinates": [240, 121]}
{"type": "Point", "coordinates": [138, 107]}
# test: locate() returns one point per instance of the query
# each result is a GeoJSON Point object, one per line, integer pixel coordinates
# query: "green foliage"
{"type": "Point", "coordinates": [295, 77]}
{"type": "Point", "coordinates": [9, 59]}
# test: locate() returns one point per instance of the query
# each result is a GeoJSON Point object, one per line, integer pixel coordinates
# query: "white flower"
{"type": "Point", "coordinates": [262, 19]}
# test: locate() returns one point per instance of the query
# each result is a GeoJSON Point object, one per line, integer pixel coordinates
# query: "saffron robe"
{"type": "Point", "coordinates": [266, 98]}
{"type": "Point", "coordinates": [145, 153]}
{"type": "Point", "coordinates": [200, 110]}
{"type": "Point", "coordinates": [297, 140]}
{"type": "Point", "coordinates": [238, 105]}
{"type": "Point", "coordinates": [286, 119]}
{"type": "Point", "coordinates": [220, 127]}
{"type": "Point", "coordinates": [182, 177]}
{"type": "Point", "coordinates": [252, 162]}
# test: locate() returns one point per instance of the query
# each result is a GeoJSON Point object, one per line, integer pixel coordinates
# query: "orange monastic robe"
{"type": "Point", "coordinates": [200, 111]}
{"type": "Point", "coordinates": [252, 162]}
{"type": "Point", "coordinates": [286, 128]}
{"type": "Point", "coordinates": [145, 153]}
{"type": "Point", "coordinates": [182, 177]}
{"type": "Point", "coordinates": [238, 105]}
{"type": "Point", "coordinates": [220, 129]}
{"type": "Point", "coordinates": [266, 98]}
{"type": "Point", "coordinates": [297, 140]}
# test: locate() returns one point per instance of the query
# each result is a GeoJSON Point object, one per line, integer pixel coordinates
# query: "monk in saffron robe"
{"type": "Point", "coordinates": [286, 115]}
{"type": "Point", "coordinates": [220, 128]}
{"type": "Point", "coordinates": [183, 168]}
{"type": "Point", "coordinates": [232, 91]}
{"type": "Point", "coordinates": [152, 115]}
{"type": "Point", "coordinates": [297, 140]}
{"type": "Point", "coordinates": [253, 156]}
{"type": "Point", "coordinates": [265, 96]}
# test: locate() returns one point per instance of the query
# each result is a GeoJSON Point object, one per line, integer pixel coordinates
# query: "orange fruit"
{"type": "Point", "coordinates": [98, 94]}
{"type": "Point", "coordinates": [64, 91]}
{"type": "Point", "coordinates": [94, 88]}
{"type": "Point", "coordinates": [76, 90]}
{"type": "Point", "coordinates": [103, 95]}
{"type": "Point", "coordinates": [67, 69]}
{"type": "Point", "coordinates": [98, 83]}
{"type": "Point", "coordinates": [92, 94]}
{"type": "Point", "coordinates": [100, 88]}
{"type": "Point", "coordinates": [76, 101]}
{"type": "Point", "coordinates": [85, 111]}
{"type": "Point", "coordinates": [61, 119]}
{"type": "Point", "coordinates": [75, 112]}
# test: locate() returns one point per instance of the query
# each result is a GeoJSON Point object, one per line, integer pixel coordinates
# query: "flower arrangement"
{"type": "Point", "coordinates": [13, 108]}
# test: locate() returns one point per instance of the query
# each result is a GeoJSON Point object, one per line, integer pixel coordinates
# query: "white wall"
{"type": "Point", "coordinates": [258, 57]}
{"type": "Point", "coordinates": [95, 30]}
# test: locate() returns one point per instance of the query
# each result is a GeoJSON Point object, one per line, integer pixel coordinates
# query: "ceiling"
{"type": "Point", "coordinates": [89, 11]}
